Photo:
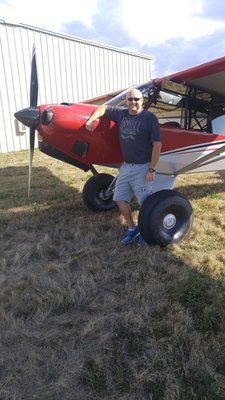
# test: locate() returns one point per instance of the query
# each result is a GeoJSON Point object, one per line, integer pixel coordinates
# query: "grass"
{"type": "Point", "coordinates": [83, 318]}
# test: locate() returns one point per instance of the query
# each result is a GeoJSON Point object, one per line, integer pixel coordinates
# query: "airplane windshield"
{"type": "Point", "coordinates": [179, 105]}
{"type": "Point", "coordinates": [147, 89]}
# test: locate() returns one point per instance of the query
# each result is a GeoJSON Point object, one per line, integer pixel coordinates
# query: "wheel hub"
{"type": "Point", "coordinates": [102, 195]}
{"type": "Point", "coordinates": [169, 221]}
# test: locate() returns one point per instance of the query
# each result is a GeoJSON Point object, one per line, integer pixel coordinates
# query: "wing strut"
{"type": "Point", "coordinates": [202, 161]}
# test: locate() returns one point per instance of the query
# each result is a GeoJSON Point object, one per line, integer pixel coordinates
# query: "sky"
{"type": "Point", "coordinates": [178, 34]}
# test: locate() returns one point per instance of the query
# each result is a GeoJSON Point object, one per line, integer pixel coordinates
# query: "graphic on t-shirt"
{"type": "Point", "coordinates": [129, 128]}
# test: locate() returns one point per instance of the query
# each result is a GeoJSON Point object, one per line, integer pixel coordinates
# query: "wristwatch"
{"type": "Point", "coordinates": [152, 170]}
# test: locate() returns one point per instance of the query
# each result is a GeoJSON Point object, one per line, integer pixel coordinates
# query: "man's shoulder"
{"type": "Point", "coordinates": [116, 111]}
{"type": "Point", "coordinates": [148, 113]}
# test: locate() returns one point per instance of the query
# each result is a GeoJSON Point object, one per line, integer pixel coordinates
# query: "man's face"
{"type": "Point", "coordinates": [134, 101]}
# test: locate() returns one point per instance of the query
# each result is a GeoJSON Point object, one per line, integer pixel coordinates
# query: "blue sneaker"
{"type": "Point", "coordinates": [131, 235]}
{"type": "Point", "coordinates": [139, 241]}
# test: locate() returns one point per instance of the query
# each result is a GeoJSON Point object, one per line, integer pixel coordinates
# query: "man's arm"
{"type": "Point", "coordinates": [154, 159]}
{"type": "Point", "coordinates": [156, 148]}
{"type": "Point", "coordinates": [99, 112]}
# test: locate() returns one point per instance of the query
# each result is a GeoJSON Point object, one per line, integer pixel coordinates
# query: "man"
{"type": "Point", "coordinates": [139, 134]}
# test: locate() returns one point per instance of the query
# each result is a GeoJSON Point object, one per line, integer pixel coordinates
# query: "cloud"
{"type": "Point", "coordinates": [176, 33]}
{"type": "Point", "coordinates": [48, 14]}
{"type": "Point", "coordinates": [156, 22]}
{"type": "Point", "coordinates": [147, 22]}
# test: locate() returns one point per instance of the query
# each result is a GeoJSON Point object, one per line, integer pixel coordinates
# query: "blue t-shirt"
{"type": "Point", "coordinates": [136, 133]}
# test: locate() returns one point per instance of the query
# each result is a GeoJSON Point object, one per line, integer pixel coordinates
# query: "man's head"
{"type": "Point", "coordinates": [134, 101]}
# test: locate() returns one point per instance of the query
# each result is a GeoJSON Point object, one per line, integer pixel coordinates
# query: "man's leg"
{"type": "Point", "coordinates": [125, 210]}
{"type": "Point", "coordinates": [142, 189]}
{"type": "Point", "coordinates": [133, 231]}
{"type": "Point", "coordinates": [122, 196]}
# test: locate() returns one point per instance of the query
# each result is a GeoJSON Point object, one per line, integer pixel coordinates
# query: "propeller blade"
{"type": "Point", "coordinates": [31, 154]}
{"type": "Point", "coordinates": [33, 103]}
{"type": "Point", "coordinates": [33, 80]}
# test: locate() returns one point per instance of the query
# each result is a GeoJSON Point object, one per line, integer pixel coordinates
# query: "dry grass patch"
{"type": "Point", "coordinates": [83, 318]}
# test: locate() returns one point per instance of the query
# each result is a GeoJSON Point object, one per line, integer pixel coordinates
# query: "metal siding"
{"type": "Point", "coordinates": [69, 70]}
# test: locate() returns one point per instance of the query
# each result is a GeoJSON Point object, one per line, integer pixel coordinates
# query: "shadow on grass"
{"type": "Point", "coordinates": [203, 186]}
{"type": "Point", "coordinates": [84, 318]}
{"type": "Point", "coordinates": [45, 187]}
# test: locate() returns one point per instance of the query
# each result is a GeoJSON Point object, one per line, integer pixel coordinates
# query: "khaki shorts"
{"type": "Point", "coordinates": [132, 182]}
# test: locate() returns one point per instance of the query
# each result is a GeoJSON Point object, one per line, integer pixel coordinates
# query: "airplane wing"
{"type": "Point", "coordinates": [208, 76]}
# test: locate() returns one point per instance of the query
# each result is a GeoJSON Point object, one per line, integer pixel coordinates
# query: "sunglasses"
{"type": "Point", "coordinates": [134, 98]}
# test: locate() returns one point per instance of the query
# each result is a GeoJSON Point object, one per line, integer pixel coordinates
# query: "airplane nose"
{"type": "Point", "coordinates": [28, 116]}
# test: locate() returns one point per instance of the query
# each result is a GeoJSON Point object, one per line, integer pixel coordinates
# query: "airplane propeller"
{"type": "Point", "coordinates": [33, 103]}
{"type": "Point", "coordinates": [30, 116]}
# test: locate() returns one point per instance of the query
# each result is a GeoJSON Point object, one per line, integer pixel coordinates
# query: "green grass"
{"type": "Point", "coordinates": [84, 318]}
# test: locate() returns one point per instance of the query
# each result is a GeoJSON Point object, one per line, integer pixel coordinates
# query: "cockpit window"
{"type": "Point", "coordinates": [177, 104]}
{"type": "Point", "coordinates": [167, 108]}
{"type": "Point", "coordinates": [147, 90]}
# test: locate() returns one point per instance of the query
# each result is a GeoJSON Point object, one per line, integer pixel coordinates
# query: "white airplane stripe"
{"type": "Point", "coordinates": [196, 148]}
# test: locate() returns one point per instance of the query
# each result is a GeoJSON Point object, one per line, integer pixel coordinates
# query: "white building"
{"type": "Point", "coordinates": [70, 69]}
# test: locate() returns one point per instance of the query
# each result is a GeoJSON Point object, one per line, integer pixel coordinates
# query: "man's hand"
{"type": "Point", "coordinates": [150, 176]}
{"type": "Point", "coordinates": [98, 113]}
{"type": "Point", "coordinates": [89, 126]}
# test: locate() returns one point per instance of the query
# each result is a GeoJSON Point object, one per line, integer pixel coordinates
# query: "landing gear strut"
{"type": "Point", "coordinates": [98, 192]}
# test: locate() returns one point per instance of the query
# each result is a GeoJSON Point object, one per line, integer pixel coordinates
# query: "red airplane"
{"type": "Point", "coordinates": [190, 106]}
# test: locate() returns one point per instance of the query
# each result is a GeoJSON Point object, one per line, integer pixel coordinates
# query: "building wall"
{"type": "Point", "coordinates": [70, 69]}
